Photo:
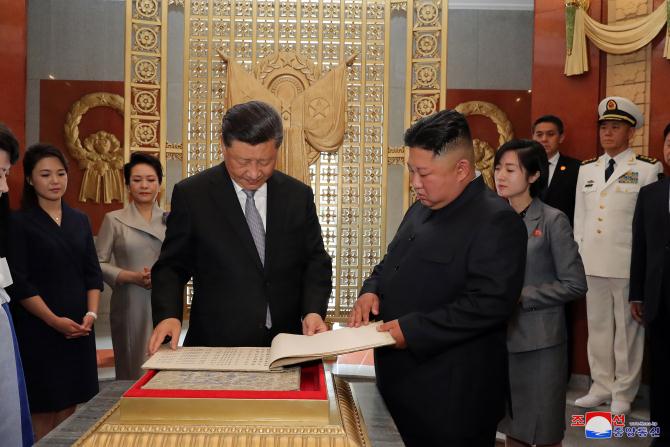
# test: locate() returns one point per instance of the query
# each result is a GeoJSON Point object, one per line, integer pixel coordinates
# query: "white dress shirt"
{"type": "Point", "coordinates": [260, 199]}
{"type": "Point", "coordinates": [553, 161]}
{"type": "Point", "coordinates": [618, 159]}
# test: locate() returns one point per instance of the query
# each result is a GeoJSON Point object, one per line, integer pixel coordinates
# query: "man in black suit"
{"type": "Point", "coordinates": [548, 130]}
{"type": "Point", "coordinates": [250, 238]}
{"type": "Point", "coordinates": [446, 288]}
{"type": "Point", "coordinates": [650, 288]}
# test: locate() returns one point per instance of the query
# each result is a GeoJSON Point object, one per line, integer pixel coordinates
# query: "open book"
{"type": "Point", "coordinates": [286, 349]}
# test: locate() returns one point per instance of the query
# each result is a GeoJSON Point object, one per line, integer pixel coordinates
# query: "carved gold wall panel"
{"type": "Point", "coordinates": [146, 78]}
{"type": "Point", "coordinates": [426, 75]}
{"type": "Point", "coordinates": [349, 183]}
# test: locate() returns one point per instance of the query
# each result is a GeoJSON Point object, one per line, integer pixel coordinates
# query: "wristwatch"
{"type": "Point", "coordinates": [92, 314]}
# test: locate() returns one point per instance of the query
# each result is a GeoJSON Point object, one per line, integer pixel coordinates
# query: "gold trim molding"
{"type": "Point", "coordinates": [345, 429]}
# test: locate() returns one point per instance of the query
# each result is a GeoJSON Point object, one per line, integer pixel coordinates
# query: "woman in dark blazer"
{"type": "Point", "coordinates": [55, 294]}
{"type": "Point", "coordinates": [536, 337]}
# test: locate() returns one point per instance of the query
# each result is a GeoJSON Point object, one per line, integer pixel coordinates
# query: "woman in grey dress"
{"type": "Point", "coordinates": [128, 244]}
{"type": "Point", "coordinates": [536, 337]}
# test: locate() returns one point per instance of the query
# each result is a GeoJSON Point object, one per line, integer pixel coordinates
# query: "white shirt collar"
{"type": "Point", "coordinates": [554, 160]}
{"type": "Point", "coordinates": [620, 158]}
{"type": "Point", "coordinates": [261, 192]}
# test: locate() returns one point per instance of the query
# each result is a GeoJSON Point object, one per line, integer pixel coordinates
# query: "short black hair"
{"type": "Point", "coordinates": [138, 158]}
{"type": "Point", "coordinates": [33, 155]}
{"type": "Point", "coordinates": [666, 131]}
{"type": "Point", "coordinates": [252, 122]}
{"type": "Point", "coordinates": [440, 132]}
{"type": "Point", "coordinates": [532, 158]}
{"type": "Point", "coordinates": [9, 143]}
{"type": "Point", "coordinates": [553, 119]}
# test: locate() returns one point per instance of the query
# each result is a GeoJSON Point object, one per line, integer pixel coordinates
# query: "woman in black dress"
{"type": "Point", "coordinates": [57, 284]}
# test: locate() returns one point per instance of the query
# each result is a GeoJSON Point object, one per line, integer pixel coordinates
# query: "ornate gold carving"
{"type": "Point", "coordinates": [484, 153]}
{"type": "Point", "coordinates": [322, 34]}
{"type": "Point", "coordinates": [583, 4]}
{"type": "Point", "coordinates": [426, 76]}
{"type": "Point", "coordinates": [425, 105]}
{"type": "Point", "coordinates": [345, 429]}
{"type": "Point", "coordinates": [312, 109]}
{"type": "Point", "coordinates": [146, 70]}
{"type": "Point", "coordinates": [426, 44]}
{"type": "Point", "coordinates": [398, 5]}
{"type": "Point", "coordinates": [426, 48]}
{"type": "Point", "coordinates": [396, 155]}
{"type": "Point", "coordinates": [145, 80]}
{"type": "Point", "coordinates": [146, 38]}
{"type": "Point", "coordinates": [100, 156]}
{"type": "Point", "coordinates": [145, 134]}
{"type": "Point", "coordinates": [427, 13]}
{"type": "Point", "coordinates": [146, 8]}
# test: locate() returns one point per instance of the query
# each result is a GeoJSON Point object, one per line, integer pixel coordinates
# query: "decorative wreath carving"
{"type": "Point", "coordinates": [484, 153]}
{"type": "Point", "coordinates": [100, 156]}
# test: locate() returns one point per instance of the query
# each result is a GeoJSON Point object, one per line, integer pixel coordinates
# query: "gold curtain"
{"type": "Point", "coordinates": [614, 39]}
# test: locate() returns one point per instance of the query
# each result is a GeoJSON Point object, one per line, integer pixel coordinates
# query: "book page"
{"type": "Point", "coordinates": [201, 358]}
{"type": "Point", "coordinates": [286, 380]}
{"type": "Point", "coordinates": [289, 349]}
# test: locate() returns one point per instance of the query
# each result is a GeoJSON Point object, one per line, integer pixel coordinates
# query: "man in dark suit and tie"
{"type": "Point", "coordinates": [449, 283]}
{"type": "Point", "coordinates": [250, 238]}
{"type": "Point", "coordinates": [650, 288]}
{"type": "Point", "coordinates": [548, 130]}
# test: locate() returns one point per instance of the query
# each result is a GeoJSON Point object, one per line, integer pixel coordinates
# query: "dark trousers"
{"type": "Point", "coordinates": [659, 338]}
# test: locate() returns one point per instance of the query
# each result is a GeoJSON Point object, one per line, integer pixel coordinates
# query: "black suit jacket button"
{"type": "Point", "coordinates": [397, 267]}
{"type": "Point", "coordinates": [412, 237]}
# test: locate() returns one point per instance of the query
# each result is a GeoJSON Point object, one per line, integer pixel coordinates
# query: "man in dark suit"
{"type": "Point", "coordinates": [446, 288]}
{"type": "Point", "coordinates": [650, 288]}
{"type": "Point", "coordinates": [250, 238]}
{"type": "Point", "coordinates": [548, 130]}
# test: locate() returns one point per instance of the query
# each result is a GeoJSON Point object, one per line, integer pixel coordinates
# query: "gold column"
{"type": "Point", "coordinates": [426, 75]}
{"type": "Point", "coordinates": [145, 79]}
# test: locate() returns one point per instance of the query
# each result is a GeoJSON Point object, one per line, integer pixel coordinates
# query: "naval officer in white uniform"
{"type": "Point", "coordinates": [607, 189]}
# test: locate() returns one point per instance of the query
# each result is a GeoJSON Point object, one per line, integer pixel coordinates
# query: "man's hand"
{"type": "Point", "coordinates": [313, 324]}
{"type": "Point", "coordinates": [360, 314]}
{"type": "Point", "coordinates": [393, 327]}
{"type": "Point", "coordinates": [636, 309]}
{"type": "Point", "coordinates": [168, 327]}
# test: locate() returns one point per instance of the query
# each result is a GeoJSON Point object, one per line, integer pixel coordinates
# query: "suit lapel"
{"type": "Point", "coordinates": [131, 217]}
{"type": "Point", "coordinates": [225, 199]}
{"type": "Point", "coordinates": [533, 216]}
